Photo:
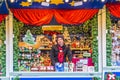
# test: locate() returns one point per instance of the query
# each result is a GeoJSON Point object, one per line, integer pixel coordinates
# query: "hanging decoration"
{"type": "Point", "coordinates": [2, 49]}
{"type": "Point", "coordinates": [108, 39]}
{"type": "Point", "coordinates": [95, 42]}
{"type": "Point", "coordinates": [17, 25]}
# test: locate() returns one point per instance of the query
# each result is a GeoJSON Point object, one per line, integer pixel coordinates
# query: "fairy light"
{"type": "Point", "coordinates": [48, 1]}
{"type": "Point", "coordinates": [102, 0]}
{"type": "Point", "coordinates": [67, 1]}
{"type": "Point", "coordinates": [84, 0]}
{"type": "Point", "coordinates": [29, 0]}
{"type": "Point", "coordinates": [12, 1]}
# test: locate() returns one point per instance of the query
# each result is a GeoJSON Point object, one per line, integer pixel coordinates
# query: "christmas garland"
{"type": "Point", "coordinates": [3, 48]}
{"type": "Point", "coordinates": [96, 78]}
{"type": "Point", "coordinates": [95, 42]}
{"type": "Point", "coordinates": [16, 30]}
{"type": "Point", "coordinates": [108, 40]}
{"type": "Point", "coordinates": [93, 24]}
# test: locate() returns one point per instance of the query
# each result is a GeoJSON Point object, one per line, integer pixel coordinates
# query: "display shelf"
{"type": "Point", "coordinates": [71, 48]}
{"type": "Point", "coordinates": [4, 78]}
{"type": "Point", "coordinates": [111, 68]}
{"type": "Point", "coordinates": [56, 74]}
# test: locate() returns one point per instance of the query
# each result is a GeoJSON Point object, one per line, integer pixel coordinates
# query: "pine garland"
{"type": "Point", "coordinates": [95, 42]}
{"type": "Point", "coordinates": [96, 78]}
{"type": "Point", "coordinates": [3, 48]}
{"type": "Point", "coordinates": [108, 40]}
{"type": "Point", "coordinates": [16, 30]}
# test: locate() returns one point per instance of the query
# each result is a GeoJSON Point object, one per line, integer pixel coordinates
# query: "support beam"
{"type": "Point", "coordinates": [9, 44]}
{"type": "Point", "coordinates": [100, 40]}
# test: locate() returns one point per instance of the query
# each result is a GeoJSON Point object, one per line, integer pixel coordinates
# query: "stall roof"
{"type": "Point", "coordinates": [57, 4]}
{"type": "Point", "coordinates": [3, 8]}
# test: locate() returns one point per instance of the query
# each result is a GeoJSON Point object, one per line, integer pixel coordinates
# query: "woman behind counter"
{"type": "Point", "coordinates": [60, 51]}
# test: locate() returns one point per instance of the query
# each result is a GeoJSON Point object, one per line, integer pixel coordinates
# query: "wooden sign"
{"type": "Point", "coordinates": [52, 28]}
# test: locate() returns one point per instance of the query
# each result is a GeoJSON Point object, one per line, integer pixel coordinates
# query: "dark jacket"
{"type": "Point", "coordinates": [54, 53]}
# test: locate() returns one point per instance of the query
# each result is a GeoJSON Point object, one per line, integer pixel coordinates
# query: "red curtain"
{"type": "Point", "coordinates": [114, 9]}
{"type": "Point", "coordinates": [2, 17]}
{"type": "Point", "coordinates": [74, 16]}
{"type": "Point", "coordinates": [39, 17]}
{"type": "Point", "coordinates": [35, 17]}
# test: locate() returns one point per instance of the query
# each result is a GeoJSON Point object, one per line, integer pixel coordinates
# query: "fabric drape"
{"type": "Point", "coordinates": [74, 16]}
{"type": "Point", "coordinates": [35, 17]}
{"type": "Point", "coordinates": [114, 9]}
{"type": "Point", "coordinates": [2, 17]}
{"type": "Point", "coordinates": [39, 17]}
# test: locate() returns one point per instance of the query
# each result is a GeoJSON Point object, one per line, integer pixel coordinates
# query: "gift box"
{"type": "Point", "coordinates": [85, 68]}
{"type": "Point", "coordinates": [42, 68]}
{"type": "Point", "coordinates": [71, 67]}
{"type": "Point", "coordinates": [50, 68]}
{"type": "Point", "coordinates": [59, 67]}
{"type": "Point", "coordinates": [84, 61]}
{"type": "Point", "coordinates": [79, 66]}
{"type": "Point", "coordinates": [91, 69]}
{"type": "Point", "coordinates": [34, 69]}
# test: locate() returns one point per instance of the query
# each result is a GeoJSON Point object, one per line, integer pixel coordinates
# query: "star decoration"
{"type": "Point", "coordinates": [72, 3]}
{"type": "Point", "coordinates": [39, 1]}
{"type": "Point", "coordinates": [25, 4]}
{"type": "Point", "coordinates": [56, 2]}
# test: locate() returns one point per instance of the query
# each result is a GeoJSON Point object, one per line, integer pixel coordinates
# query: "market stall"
{"type": "Point", "coordinates": [34, 36]}
{"type": "Point", "coordinates": [112, 61]}
{"type": "Point", "coordinates": [32, 27]}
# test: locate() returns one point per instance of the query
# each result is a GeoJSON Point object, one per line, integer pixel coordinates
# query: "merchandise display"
{"type": "Point", "coordinates": [34, 52]}
{"type": "Point", "coordinates": [115, 33]}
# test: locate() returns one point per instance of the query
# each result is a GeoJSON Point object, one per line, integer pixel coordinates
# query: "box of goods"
{"type": "Point", "coordinates": [79, 66]}
{"type": "Point", "coordinates": [50, 68]}
{"type": "Point", "coordinates": [34, 69]}
{"type": "Point", "coordinates": [59, 67]}
{"type": "Point", "coordinates": [65, 66]}
{"type": "Point", "coordinates": [42, 68]}
{"type": "Point", "coordinates": [84, 61]}
{"type": "Point", "coordinates": [85, 68]}
{"type": "Point", "coordinates": [91, 69]}
{"type": "Point", "coordinates": [71, 67]}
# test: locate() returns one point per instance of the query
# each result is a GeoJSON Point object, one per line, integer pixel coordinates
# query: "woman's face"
{"type": "Point", "coordinates": [60, 41]}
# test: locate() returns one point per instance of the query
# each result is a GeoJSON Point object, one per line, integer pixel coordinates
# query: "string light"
{"type": "Point", "coordinates": [102, 0]}
{"type": "Point", "coordinates": [48, 1]}
{"type": "Point", "coordinates": [84, 0]}
{"type": "Point", "coordinates": [67, 1]}
{"type": "Point", "coordinates": [29, 0]}
{"type": "Point", "coordinates": [11, 1]}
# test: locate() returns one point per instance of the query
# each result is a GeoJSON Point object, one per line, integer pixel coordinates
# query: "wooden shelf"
{"type": "Point", "coordinates": [80, 48]}
{"type": "Point", "coordinates": [71, 48]}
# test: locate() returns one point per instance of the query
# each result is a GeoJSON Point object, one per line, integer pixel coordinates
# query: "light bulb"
{"type": "Point", "coordinates": [29, 0]}
{"type": "Point", "coordinates": [102, 0]}
{"type": "Point", "coordinates": [66, 0]}
{"type": "Point", "coordinates": [11, 1]}
{"type": "Point", "coordinates": [84, 0]}
{"type": "Point", "coordinates": [48, 1]}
